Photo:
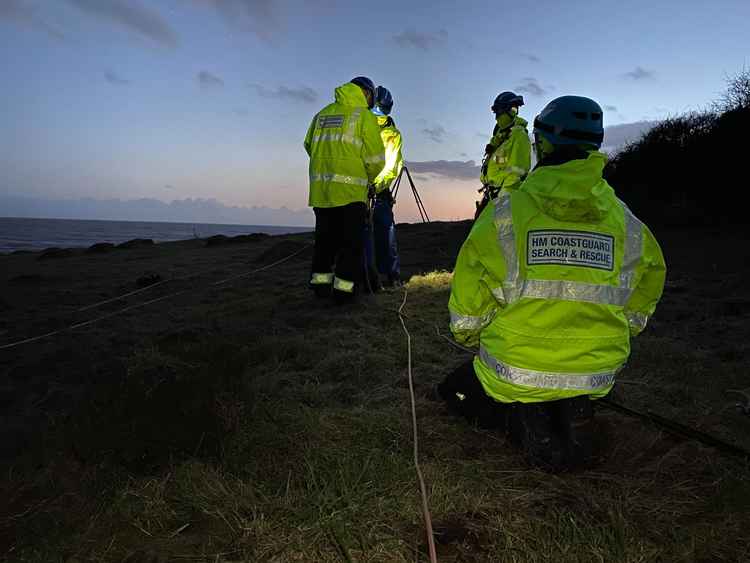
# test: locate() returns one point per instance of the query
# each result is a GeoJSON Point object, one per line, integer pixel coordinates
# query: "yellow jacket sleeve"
{"type": "Point", "coordinates": [373, 151]}
{"type": "Point", "coordinates": [394, 161]}
{"type": "Point", "coordinates": [650, 276]}
{"type": "Point", "coordinates": [479, 269]}
{"type": "Point", "coordinates": [308, 137]}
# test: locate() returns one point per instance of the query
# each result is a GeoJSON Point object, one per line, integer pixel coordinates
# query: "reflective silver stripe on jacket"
{"type": "Point", "coordinates": [374, 159]}
{"type": "Point", "coordinates": [514, 289]}
{"type": "Point", "coordinates": [574, 291]}
{"type": "Point", "coordinates": [633, 246]}
{"type": "Point", "coordinates": [506, 238]}
{"type": "Point", "coordinates": [546, 379]}
{"type": "Point", "coordinates": [518, 171]}
{"type": "Point", "coordinates": [468, 322]}
{"type": "Point", "coordinates": [637, 320]}
{"type": "Point", "coordinates": [340, 178]}
{"type": "Point", "coordinates": [338, 137]}
{"type": "Point", "coordinates": [351, 128]}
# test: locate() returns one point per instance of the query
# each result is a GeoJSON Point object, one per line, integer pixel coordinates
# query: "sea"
{"type": "Point", "coordinates": [37, 234]}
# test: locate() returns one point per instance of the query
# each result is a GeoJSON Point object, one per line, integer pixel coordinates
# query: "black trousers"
{"type": "Point", "coordinates": [339, 241]}
{"type": "Point", "coordinates": [553, 435]}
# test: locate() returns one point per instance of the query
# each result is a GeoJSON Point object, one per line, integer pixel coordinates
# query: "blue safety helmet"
{"type": "Point", "coordinates": [571, 120]}
{"type": "Point", "coordinates": [383, 101]}
{"type": "Point", "coordinates": [367, 84]}
{"type": "Point", "coordinates": [505, 101]}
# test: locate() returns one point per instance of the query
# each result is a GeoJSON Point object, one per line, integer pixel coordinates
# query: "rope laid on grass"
{"type": "Point", "coordinates": [422, 488]}
{"type": "Point", "coordinates": [138, 305]}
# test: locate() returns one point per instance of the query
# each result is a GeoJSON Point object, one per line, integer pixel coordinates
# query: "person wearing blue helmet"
{"type": "Point", "coordinates": [507, 157]}
{"type": "Point", "coordinates": [554, 280]}
{"type": "Point", "coordinates": [384, 227]}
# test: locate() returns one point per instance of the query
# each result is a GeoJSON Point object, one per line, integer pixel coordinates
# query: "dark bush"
{"type": "Point", "coordinates": [684, 170]}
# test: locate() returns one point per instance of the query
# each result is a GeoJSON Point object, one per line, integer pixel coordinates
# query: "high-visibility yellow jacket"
{"type": "Point", "coordinates": [345, 148]}
{"type": "Point", "coordinates": [552, 282]}
{"type": "Point", "coordinates": [394, 161]}
{"type": "Point", "coordinates": [510, 162]}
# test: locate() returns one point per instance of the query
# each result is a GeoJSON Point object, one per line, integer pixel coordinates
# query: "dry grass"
{"type": "Point", "coordinates": [271, 427]}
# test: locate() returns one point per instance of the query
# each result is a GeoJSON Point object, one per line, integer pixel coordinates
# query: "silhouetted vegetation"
{"type": "Point", "coordinates": [686, 170]}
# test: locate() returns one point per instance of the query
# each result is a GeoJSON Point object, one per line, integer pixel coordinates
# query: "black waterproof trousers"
{"type": "Point", "coordinates": [339, 246]}
{"type": "Point", "coordinates": [554, 435]}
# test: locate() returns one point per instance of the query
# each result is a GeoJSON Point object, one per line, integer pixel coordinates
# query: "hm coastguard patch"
{"type": "Point", "coordinates": [573, 248]}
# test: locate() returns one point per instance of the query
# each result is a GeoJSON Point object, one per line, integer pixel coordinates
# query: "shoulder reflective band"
{"type": "Point", "coordinates": [321, 279]}
{"type": "Point", "coordinates": [637, 320]}
{"type": "Point", "coordinates": [337, 137]}
{"type": "Point", "coordinates": [467, 322]}
{"type": "Point", "coordinates": [633, 244]}
{"type": "Point", "coordinates": [546, 379]}
{"type": "Point", "coordinates": [343, 285]}
{"type": "Point", "coordinates": [340, 178]}
{"type": "Point", "coordinates": [506, 238]}
{"type": "Point", "coordinates": [351, 128]}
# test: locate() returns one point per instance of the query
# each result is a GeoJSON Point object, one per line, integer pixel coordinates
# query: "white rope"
{"type": "Point", "coordinates": [422, 488]}
{"type": "Point", "coordinates": [138, 305]}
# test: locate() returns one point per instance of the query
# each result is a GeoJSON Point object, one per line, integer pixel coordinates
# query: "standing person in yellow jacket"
{"type": "Point", "coordinates": [552, 282]}
{"type": "Point", "coordinates": [346, 155]}
{"type": "Point", "coordinates": [507, 157]}
{"type": "Point", "coordinates": [386, 249]}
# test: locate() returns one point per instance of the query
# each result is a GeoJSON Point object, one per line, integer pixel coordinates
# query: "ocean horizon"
{"type": "Point", "coordinates": [26, 233]}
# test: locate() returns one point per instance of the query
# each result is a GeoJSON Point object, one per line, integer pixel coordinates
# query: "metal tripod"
{"type": "Point", "coordinates": [420, 205]}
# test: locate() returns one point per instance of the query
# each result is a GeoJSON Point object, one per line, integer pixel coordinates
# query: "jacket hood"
{"type": "Point", "coordinates": [574, 191]}
{"type": "Point", "coordinates": [350, 95]}
{"type": "Point", "coordinates": [520, 121]}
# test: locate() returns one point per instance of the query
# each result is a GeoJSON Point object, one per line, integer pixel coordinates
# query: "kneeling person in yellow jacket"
{"type": "Point", "coordinates": [346, 155]}
{"type": "Point", "coordinates": [551, 283]}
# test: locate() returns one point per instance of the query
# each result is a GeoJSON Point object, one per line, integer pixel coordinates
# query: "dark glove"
{"type": "Point", "coordinates": [489, 149]}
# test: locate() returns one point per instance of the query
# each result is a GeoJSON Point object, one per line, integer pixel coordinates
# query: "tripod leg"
{"type": "Point", "coordinates": [417, 198]}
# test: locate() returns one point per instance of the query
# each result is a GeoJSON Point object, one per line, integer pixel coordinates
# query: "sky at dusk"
{"type": "Point", "coordinates": [176, 99]}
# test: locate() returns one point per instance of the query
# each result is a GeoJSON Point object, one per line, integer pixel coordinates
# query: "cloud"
{"type": "Point", "coordinates": [454, 169]}
{"type": "Point", "coordinates": [463, 154]}
{"type": "Point", "coordinates": [301, 94]}
{"type": "Point", "coordinates": [616, 136]}
{"type": "Point", "coordinates": [640, 73]}
{"type": "Point", "coordinates": [531, 58]}
{"type": "Point", "coordinates": [530, 85]}
{"type": "Point", "coordinates": [132, 15]}
{"type": "Point", "coordinates": [255, 16]}
{"type": "Point", "coordinates": [208, 80]}
{"type": "Point", "coordinates": [113, 78]}
{"type": "Point", "coordinates": [419, 40]}
{"type": "Point", "coordinates": [436, 133]}
{"type": "Point", "coordinates": [20, 12]}
{"type": "Point", "coordinates": [610, 108]}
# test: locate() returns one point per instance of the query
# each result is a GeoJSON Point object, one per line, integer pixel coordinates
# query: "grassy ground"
{"type": "Point", "coordinates": [250, 422]}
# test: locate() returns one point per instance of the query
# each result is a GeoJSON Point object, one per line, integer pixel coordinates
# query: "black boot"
{"type": "Point", "coordinates": [532, 429]}
{"type": "Point", "coordinates": [576, 423]}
